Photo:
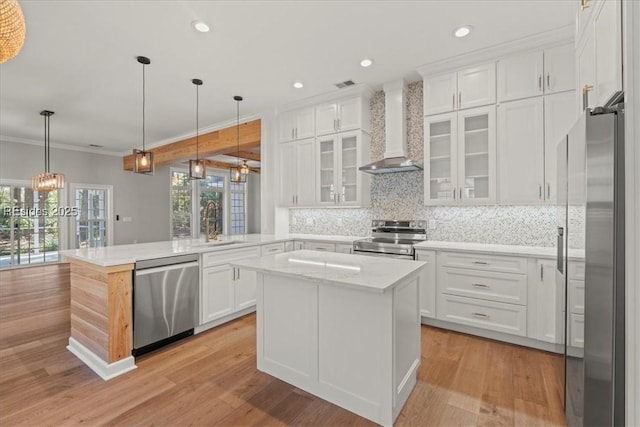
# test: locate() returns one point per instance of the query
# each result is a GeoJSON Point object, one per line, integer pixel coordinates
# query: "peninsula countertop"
{"type": "Point", "coordinates": [373, 274]}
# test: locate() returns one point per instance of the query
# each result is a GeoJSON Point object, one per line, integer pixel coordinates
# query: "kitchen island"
{"type": "Point", "coordinates": [345, 328]}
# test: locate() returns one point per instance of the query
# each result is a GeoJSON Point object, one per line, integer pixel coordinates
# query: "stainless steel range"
{"type": "Point", "coordinates": [392, 239]}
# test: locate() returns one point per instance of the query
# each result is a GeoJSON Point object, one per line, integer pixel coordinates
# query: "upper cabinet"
{"type": "Point", "coordinates": [341, 116]}
{"type": "Point", "coordinates": [297, 180]}
{"type": "Point", "coordinates": [297, 124]}
{"type": "Point", "coordinates": [599, 52]}
{"type": "Point", "coordinates": [536, 73]}
{"type": "Point", "coordinates": [459, 151]}
{"type": "Point", "coordinates": [467, 88]}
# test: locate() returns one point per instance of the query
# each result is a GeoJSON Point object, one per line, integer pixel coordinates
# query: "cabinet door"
{"type": "Point", "coordinates": [585, 8]}
{"type": "Point", "coordinates": [428, 283]}
{"type": "Point", "coordinates": [521, 151]}
{"type": "Point", "coordinates": [326, 119]}
{"type": "Point", "coordinates": [349, 115]}
{"type": "Point", "coordinates": [586, 72]}
{"type": "Point", "coordinates": [288, 173]}
{"type": "Point", "coordinates": [545, 311]}
{"type": "Point", "coordinates": [559, 116]}
{"type": "Point", "coordinates": [319, 246]}
{"type": "Point", "coordinates": [344, 248]}
{"type": "Point", "coordinates": [520, 76]}
{"type": "Point", "coordinates": [348, 168]}
{"type": "Point", "coordinates": [298, 245]}
{"type": "Point", "coordinates": [559, 69]}
{"type": "Point", "coordinates": [217, 292]}
{"type": "Point", "coordinates": [245, 288]}
{"type": "Point", "coordinates": [286, 126]}
{"type": "Point", "coordinates": [326, 170]}
{"type": "Point", "coordinates": [440, 94]}
{"type": "Point", "coordinates": [305, 123]}
{"type": "Point", "coordinates": [608, 51]}
{"type": "Point", "coordinates": [305, 172]}
{"type": "Point", "coordinates": [440, 143]}
{"type": "Point", "coordinates": [477, 86]}
{"type": "Point", "coordinates": [476, 155]}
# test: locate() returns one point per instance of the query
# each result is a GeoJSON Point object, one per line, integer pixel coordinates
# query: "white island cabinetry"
{"type": "Point", "coordinates": [345, 328]}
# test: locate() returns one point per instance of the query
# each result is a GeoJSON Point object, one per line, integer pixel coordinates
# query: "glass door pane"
{"type": "Point", "coordinates": [475, 140]}
{"type": "Point", "coordinates": [91, 222]}
{"type": "Point", "coordinates": [349, 188]}
{"type": "Point", "coordinates": [440, 136]}
{"type": "Point", "coordinates": [327, 170]}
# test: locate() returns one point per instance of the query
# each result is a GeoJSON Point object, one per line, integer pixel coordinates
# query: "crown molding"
{"type": "Point", "coordinates": [548, 39]}
{"type": "Point", "coordinates": [69, 147]}
{"type": "Point", "coordinates": [361, 89]}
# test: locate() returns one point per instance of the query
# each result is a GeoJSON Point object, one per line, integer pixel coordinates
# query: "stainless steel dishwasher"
{"type": "Point", "coordinates": [165, 301]}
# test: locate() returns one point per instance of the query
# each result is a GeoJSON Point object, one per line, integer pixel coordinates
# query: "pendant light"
{"type": "Point", "coordinates": [12, 29]}
{"type": "Point", "coordinates": [239, 172]}
{"type": "Point", "coordinates": [47, 181]}
{"type": "Point", "coordinates": [143, 160]}
{"type": "Point", "coordinates": [197, 169]}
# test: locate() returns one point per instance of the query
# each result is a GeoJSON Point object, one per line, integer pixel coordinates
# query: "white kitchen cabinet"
{"type": "Point", "coordinates": [460, 152]}
{"type": "Point", "coordinates": [545, 308]}
{"type": "Point", "coordinates": [298, 245]}
{"type": "Point", "coordinates": [344, 248]}
{"type": "Point", "coordinates": [225, 290]}
{"type": "Point", "coordinates": [340, 116]}
{"type": "Point", "coordinates": [297, 124]}
{"type": "Point", "coordinates": [288, 246]}
{"type": "Point", "coordinates": [272, 248]}
{"type": "Point", "coordinates": [338, 158]}
{"type": "Point", "coordinates": [297, 176]}
{"type": "Point", "coordinates": [427, 283]}
{"type": "Point", "coordinates": [467, 88]}
{"type": "Point", "coordinates": [586, 72]}
{"type": "Point", "coordinates": [559, 116]}
{"type": "Point", "coordinates": [583, 15]}
{"type": "Point", "coordinates": [521, 151]}
{"type": "Point", "coordinates": [320, 246]}
{"type": "Point", "coordinates": [536, 73]}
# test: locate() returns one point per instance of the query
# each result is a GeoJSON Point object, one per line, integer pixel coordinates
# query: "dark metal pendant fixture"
{"type": "Point", "coordinates": [143, 160]}
{"type": "Point", "coordinates": [239, 172]}
{"type": "Point", "coordinates": [197, 168]}
{"type": "Point", "coordinates": [47, 181]}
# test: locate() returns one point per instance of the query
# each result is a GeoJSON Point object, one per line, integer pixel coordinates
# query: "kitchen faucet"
{"type": "Point", "coordinates": [209, 235]}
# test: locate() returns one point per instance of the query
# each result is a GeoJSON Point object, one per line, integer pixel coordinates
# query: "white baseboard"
{"type": "Point", "coordinates": [105, 370]}
{"type": "Point", "coordinates": [225, 319]}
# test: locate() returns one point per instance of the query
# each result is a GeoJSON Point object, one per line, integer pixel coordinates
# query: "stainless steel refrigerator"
{"type": "Point", "coordinates": [591, 187]}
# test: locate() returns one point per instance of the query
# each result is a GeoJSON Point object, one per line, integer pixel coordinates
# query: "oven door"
{"type": "Point", "coordinates": [382, 254]}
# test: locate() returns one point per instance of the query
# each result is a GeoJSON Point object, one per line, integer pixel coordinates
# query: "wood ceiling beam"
{"type": "Point", "coordinates": [224, 165]}
{"type": "Point", "coordinates": [246, 155]}
{"type": "Point", "coordinates": [214, 143]}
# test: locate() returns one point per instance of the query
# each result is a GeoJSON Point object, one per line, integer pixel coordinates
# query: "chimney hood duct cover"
{"type": "Point", "coordinates": [395, 155]}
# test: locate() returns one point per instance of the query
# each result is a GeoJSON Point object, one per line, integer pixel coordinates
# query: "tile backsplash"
{"type": "Point", "coordinates": [401, 196]}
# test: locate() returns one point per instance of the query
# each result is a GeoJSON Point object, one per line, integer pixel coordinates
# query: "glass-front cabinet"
{"type": "Point", "coordinates": [338, 158]}
{"type": "Point", "coordinates": [460, 156]}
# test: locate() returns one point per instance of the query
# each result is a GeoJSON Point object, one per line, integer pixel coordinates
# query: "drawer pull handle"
{"type": "Point", "coordinates": [480, 285]}
{"type": "Point", "coordinates": [481, 262]}
{"type": "Point", "coordinates": [481, 315]}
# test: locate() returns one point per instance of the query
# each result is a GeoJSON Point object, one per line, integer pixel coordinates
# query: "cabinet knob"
{"type": "Point", "coordinates": [584, 4]}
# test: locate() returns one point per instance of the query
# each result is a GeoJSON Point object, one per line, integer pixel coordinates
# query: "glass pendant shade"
{"type": "Point", "coordinates": [197, 169]}
{"type": "Point", "coordinates": [12, 29]}
{"type": "Point", "coordinates": [238, 175]}
{"type": "Point", "coordinates": [47, 181]}
{"type": "Point", "coordinates": [143, 162]}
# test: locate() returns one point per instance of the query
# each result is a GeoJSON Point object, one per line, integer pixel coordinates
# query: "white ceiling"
{"type": "Point", "coordinates": [79, 58]}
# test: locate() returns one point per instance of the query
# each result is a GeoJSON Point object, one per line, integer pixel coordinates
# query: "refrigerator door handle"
{"type": "Point", "coordinates": [560, 247]}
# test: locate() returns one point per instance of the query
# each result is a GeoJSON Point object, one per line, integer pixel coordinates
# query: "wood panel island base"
{"type": "Point", "coordinates": [345, 328]}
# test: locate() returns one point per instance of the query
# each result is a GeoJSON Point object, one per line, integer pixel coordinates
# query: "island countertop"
{"type": "Point", "coordinates": [373, 274]}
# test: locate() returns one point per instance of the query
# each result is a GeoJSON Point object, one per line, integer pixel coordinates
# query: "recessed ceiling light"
{"type": "Point", "coordinates": [200, 26]}
{"type": "Point", "coordinates": [366, 62]}
{"type": "Point", "coordinates": [298, 85]}
{"type": "Point", "coordinates": [463, 31]}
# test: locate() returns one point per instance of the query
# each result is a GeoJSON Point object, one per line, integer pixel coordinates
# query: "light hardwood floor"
{"type": "Point", "coordinates": [211, 379]}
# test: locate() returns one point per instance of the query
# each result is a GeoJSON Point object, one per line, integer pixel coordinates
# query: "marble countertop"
{"type": "Point", "coordinates": [128, 254]}
{"type": "Point", "coordinates": [372, 274]}
{"type": "Point", "coordinates": [531, 251]}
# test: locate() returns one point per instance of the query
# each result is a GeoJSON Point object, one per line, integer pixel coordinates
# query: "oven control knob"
{"type": "Point", "coordinates": [380, 223]}
{"type": "Point", "coordinates": [412, 224]}
{"type": "Point", "coordinates": [420, 224]}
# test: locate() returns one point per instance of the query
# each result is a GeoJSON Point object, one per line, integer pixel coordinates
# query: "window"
{"type": "Point", "coordinates": [29, 225]}
{"type": "Point", "coordinates": [237, 208]}
{"type": "Point", "coordinates": [189, 201]}
{"type": "Point", "coordinates": [92, 228]}
{"type": "Point", "coordinates": [181, 190]}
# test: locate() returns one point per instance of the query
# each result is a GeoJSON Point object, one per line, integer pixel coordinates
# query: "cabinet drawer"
{"type": "Point", "coordinates": [344, 248]}
{"type": "Point", "coordinates": [272, 248]}
{"type": "Point", "coordinates": [496, 316]}
{"type": "Point", "coordinates": [318, 246]}
{"type": "Point", "coordinates": [576, 330]}
{"type": "Point", "coordinates": [576, 296]}
{"type": "Point", "coordinates": [487, 285]}
{"type": "Point", "coordinates": [222, 257]}
{"type": "Point", "coordinates": [505, 264]}
{"type": "Point", "coordinates": [288, 246]}
{"type": "Point", "coordinates": [576, 270]}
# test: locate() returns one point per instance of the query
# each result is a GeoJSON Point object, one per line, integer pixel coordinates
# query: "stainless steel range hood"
{"type": "Point", "coordinates": [395, 120]}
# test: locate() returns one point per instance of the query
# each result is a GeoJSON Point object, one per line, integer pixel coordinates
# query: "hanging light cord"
{"type": "Point", "coordinates": [238, 131]}
{"type": "Point", "coordinates": [46, 158]}
{"type": "Point", "coordinates": [47, 120]}
{"type": "Point", "coordinates": [143, 105]}
{"type": "Point", "coordinates": [197, 116]}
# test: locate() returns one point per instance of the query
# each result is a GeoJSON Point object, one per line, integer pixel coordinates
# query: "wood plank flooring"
{"type": "Point", "coordinates": [211, 379]}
